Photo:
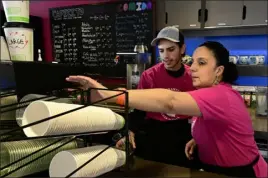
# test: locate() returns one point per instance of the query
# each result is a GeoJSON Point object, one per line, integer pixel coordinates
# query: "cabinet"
{"type": "Point", "coordinates": [255, 12]}
{"type": "Point", "coordinates": [224, 13]}
{"type": "Point", "coordinates": [160, 14]}
{"type": "Point", "coordinates": [186, 14]}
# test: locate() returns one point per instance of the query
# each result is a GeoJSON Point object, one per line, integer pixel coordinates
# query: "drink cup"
{"type": "Point", "coordinates": [16, 11]}
{"type": "Point", "coordinates": [19, 38]}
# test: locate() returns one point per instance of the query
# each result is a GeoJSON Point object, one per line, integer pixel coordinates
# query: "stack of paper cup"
{"type": "Point", "coordinates": [88, 119]}
{"type": "Point", "coordinates": [19, 38]}
{"type": "Point", "coordinates": [16, 11]}
{"type": "Point", "coordinates": [4, 50]}
{"type": "Point", "coordinates": [34, 97]}
{"type": "Point", "coordinates": [8, 102]}
{"type": "Point", "coordinates": [18, 32]}
{"type": "Point", "coordinates": [66, 162]}
{"type": "Point", "coordinates": [15, 150]}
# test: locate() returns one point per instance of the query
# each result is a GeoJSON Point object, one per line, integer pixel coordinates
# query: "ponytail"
{"type": "Point", "coordinates": [230, 73]}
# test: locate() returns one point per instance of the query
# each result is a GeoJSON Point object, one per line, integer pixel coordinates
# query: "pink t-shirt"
{"type": "Point", "coordinates": [157, 77]}
{"type": "Point", "coordinates": [224, 134]}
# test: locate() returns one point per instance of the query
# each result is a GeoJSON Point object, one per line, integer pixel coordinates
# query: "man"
{"type": "Point", "coordinates": [161, 136]}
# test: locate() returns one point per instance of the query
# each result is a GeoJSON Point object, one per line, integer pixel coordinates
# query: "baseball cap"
{"type": "Point", "coordinates": [171, 33]}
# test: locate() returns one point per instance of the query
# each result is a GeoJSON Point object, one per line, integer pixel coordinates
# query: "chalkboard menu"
{"type": "Point", "coordinates": [91, 35]}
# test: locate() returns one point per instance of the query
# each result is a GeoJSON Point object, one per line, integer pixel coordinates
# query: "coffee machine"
{"type": "Point", "coordinates": [136, 62]}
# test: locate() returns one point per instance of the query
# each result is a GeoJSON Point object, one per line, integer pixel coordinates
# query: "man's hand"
{"type": "Point", "coordinates": [121, 143]}
{"type": "Point", "coordinates": [189, 149]}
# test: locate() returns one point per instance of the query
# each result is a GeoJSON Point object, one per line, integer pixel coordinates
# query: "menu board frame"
{"type": "Point", "coordinates": [104, 59]}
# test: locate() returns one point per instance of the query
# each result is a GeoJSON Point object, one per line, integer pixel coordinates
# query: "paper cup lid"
{"type": "Point", "coordinates": [17, 25]}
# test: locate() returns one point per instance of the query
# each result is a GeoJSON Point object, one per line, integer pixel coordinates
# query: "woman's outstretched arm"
{"type": "Point", "coordinates": [164, 100]}
{"type": "Point", "coordinates": [152, 100]}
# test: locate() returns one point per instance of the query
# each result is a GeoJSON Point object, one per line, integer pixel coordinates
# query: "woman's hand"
{"type": "Point", "coordinates": [86, 82]}
{"type": "Point", "coordinates": [121, 143]}
{"type": "Point", "coordinates": [189, 149]}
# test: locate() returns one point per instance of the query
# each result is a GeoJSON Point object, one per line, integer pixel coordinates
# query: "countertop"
{"type": "Point", "coordinates": [144, 168]}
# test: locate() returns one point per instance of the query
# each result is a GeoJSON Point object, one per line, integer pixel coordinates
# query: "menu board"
{"type": "Point", "coordinates": [91, 35]}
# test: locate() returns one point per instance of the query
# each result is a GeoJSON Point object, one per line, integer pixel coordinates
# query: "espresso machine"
{"type": "Point", "coordinates": [136, 62]}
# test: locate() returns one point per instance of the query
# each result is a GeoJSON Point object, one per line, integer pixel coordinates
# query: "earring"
{"type": "Point", "coordinates": [216, 81]}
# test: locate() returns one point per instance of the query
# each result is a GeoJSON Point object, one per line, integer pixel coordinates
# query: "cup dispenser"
{"type": "Point", "coordinates": [136, 63]}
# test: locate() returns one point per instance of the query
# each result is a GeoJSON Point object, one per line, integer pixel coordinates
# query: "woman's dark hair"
{"type": "Point", "coordinates": [230, 73]}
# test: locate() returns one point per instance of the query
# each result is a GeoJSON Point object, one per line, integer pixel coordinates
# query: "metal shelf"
{"type": "Point", "coordinates": [6, 135]}
{"type": "Point", "coordinates": [261, 135]}
{"type": "Point", "coordinates": [253, 70]}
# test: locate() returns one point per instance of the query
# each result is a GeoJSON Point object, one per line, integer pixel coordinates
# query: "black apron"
{"type": "Point", "coordinates": [164, 141]}
{"type": "Point", "coordinates": [235, 171]}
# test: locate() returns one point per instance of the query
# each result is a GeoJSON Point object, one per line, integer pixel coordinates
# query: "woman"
{"type": "Point", "coordinates": [222, 130]}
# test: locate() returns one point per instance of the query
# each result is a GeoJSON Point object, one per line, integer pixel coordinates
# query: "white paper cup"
{"type": "Point", "coordinates": [5, 101]}
{"type": "Point", "coordinates": [66, 162]}
{"type": "Point", "coordinates": [13, 150]}
{"type": "Point", "coordinates": [261, 59]}
{"type": "Point", "coordinates": [253, 60]}
{"type": "Point", "coordinates": [233, 59]}
{"type": "Point", "coordinates": [16, 11]}
{"type": "Point", "coordinates": [88, 119]}
{"type": "Point", "coordinates": [4, 50]}
{"type": "Point", "coordinates": [20, 111]}
{"type": "Point", "coordinates": [19, 38]}
{"type": "Point", "coordinates": [243, 60]}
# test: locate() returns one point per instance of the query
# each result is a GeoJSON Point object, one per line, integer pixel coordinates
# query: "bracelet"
{"type": "Point", "coordinates": [120, 100]}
